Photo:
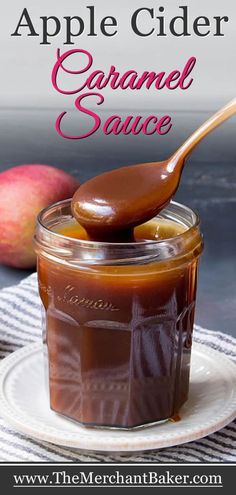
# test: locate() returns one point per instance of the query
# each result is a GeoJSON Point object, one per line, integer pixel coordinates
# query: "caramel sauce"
{"type": "Point", "coordinates": [117, 335]}
{"type": "Point", "coordinates": [175, 419]}
{"type": "Point", "coordinates": [149, 231]}
{"type": "Point", "coordinates": [110, 205]}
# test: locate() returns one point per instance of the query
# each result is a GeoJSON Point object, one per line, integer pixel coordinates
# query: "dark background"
{"type": "Point", "coordinates": [208, 185]}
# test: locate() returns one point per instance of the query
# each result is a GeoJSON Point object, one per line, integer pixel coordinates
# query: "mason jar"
{"type": "Point", "coordinates": [118, 318]}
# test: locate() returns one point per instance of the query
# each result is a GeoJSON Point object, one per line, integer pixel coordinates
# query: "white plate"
{"type": "Point", "coordinates": [24, 404]}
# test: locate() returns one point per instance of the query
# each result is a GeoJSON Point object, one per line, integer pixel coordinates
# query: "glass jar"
{"type": "Point", "coordinates": [118, 320]}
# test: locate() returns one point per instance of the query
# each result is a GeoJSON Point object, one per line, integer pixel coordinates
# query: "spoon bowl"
{"type": "Point", "coordinates": [125, 197]}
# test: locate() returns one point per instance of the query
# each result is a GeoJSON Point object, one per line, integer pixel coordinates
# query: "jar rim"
{"type": "Point", "coordinates": [101, 244]}
{"type": "Point", "coordinates": [77, 252]}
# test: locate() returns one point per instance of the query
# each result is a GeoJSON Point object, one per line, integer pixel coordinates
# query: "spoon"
{"type": "Point", "coordinates": [110, 205]}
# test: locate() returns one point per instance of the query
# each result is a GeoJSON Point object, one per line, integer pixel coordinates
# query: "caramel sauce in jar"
{"type": "Point", "coordinates": [118, 317]}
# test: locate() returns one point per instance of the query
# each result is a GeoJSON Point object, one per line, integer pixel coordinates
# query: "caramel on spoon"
{"type": "Point", "coordinates": [110, 205]}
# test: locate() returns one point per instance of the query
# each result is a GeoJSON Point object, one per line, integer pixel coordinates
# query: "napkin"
{"type": "Point", "coordinates": [20, 325]}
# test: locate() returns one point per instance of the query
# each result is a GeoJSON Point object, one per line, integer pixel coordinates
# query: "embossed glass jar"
{"type": "Point", "coordinates": [118, 320]}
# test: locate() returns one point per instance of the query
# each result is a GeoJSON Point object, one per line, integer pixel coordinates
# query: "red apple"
{"type": "Point", "coordinates": [24, 191]}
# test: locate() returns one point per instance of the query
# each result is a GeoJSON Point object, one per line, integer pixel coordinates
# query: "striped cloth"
{"type": "Point", "coordinates": [20, 324]}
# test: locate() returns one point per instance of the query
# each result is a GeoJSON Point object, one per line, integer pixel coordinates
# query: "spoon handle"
{"type": "Point", "coordinates": [214, 121]}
